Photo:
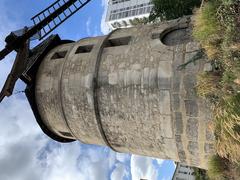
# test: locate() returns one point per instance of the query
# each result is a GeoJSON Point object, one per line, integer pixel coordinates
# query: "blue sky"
{"type": "Point", "coordinates": [25, 152]}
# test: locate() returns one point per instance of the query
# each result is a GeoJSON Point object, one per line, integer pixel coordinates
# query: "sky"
{"type": "Point", "coordinates": [26, 153]}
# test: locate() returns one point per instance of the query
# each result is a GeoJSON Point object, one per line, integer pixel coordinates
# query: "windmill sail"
{"type": "Point", "coordinates": [54, 15]}
{"type": "Point", "coordinates": [44, 23]}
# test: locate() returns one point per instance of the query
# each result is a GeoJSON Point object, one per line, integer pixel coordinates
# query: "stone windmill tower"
{"type": "Point", "coordinates": [122, 90]}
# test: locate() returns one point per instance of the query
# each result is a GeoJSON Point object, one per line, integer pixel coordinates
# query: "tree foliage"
{"type": "Point", "coordinates": [172, 9]}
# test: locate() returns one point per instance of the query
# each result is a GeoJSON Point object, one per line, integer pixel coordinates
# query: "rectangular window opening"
{"type": "Point", "coordinates": [118, 41]}
{"type": "Point", "coordinates": [58, 55]}
{"type": "Point", "coordinates": [84, 49]}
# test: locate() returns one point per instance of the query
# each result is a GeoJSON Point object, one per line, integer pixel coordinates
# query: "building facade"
{"type": "Point", "coordinates": [125, 91]}
{"type": "Point", "coordinates": [126, 13]}
{"type": "Point", "coordinates": [183, 172]}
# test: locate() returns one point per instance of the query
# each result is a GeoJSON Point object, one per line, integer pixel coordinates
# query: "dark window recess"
{"type": "Point", "coordinates": [65, 134]}
{"type": "Point", "coordinates": [84, 49]}
{"type": "Point", "coordinates": [177, 36]}
{"type": "Point", "coordinates": [174, 37]}
{"type": "Point", "coordinates": [58, 55]}
{"type": "Point", "coordinates": [118, 41]}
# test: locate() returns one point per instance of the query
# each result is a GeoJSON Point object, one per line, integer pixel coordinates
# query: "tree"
{"type": "Point", "coordinates": [172, 9]}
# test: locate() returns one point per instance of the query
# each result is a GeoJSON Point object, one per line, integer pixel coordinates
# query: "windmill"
{"type": "Point", "coordinates": [43, 24]}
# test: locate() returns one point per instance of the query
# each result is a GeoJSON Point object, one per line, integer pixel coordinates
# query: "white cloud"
{"type": "Point", "coordinates": [160, 161]}
{"type": "Point", "coordinates": [123, 158]}
{"type": "Point", "coordinates": [18, 134]}
{"type": "Point", "coordinates": [7, 25]}
{"type": "Point", "coordinates": [104, 27]}
{"type": "Point", "coordinates": [167, 178]}
{"type": "Point", "coordinates": [143, 167]}
{"type": "Point", "coordinates": [61, 163]}
{"type": "Point", "coordinates": [88, 25]}
{"type": "Point", "coordinates": [119, 172]}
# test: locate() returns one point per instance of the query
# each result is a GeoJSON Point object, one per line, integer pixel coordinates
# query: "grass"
{"type": "Point", "coordinates": [217, 28]}
{"type": "Point", "coordinates": [216, 167]}
{"type": "Point", "coordinates": [222, 169]}
{"type": "Point", "coordinates": [207, 29]}
{"type": "Point", "coordinates": [227, 127]}
{"type": "Point", "coordinates": [207, 85]}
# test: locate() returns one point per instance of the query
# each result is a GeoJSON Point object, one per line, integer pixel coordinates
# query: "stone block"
{"type": "Point", "coordinates": [192, 46]}
{"type": "Point", "coordinates": [113, 78]}
{"type": "Point", "coordinates": [153, 78]}
{"type": "Point", "coordinates": [193, 148]}
{"type": "Point", "coordinates": [164, 83]}
{"type": "Point", "coordinates": [182, 156]}
{"type": "Point", "coordinates": [179, 49]}
{"type": "Point", "coordinates": [189, 82]}
{"type": "Point", "coordinates": [166, 53]}
{"type": "Point", "coordinates": [166, 128]}
{"type": "Point", "coordinates": [192, 129]}
{"type": "Point", "coordinates": [102, 79]}
{"type": "Point", "coordinates": [191, 107]}
{"type": "Point", "coordinates": [127, 78]}
{"type": "Point", "coordinates": [145, 77]}
{"type": "Point", "coordinates": [177, 62]}
{"type": "Point", "coordinates": [176, 81]}
{"type": "Point", "coordinates": [88, 81]}
{"type": "Point", "coordinates": [136, 66]}
{"type": "Point", "coordinates": [209, 148]}
{"type": "Point", "coordinates": [178, 122]}
{"type": "Point", "coordinates": [164, 105]}
{"type": "Point", "coordinates": [194, 161]}
{"type": "Point", "coordinates": [175, 102]}
{"type": "Point", "coordinates": [209, 134]}
{"type": "Point", "coordinates": [136, 77]}
{"type": "Point", "coordinates": [178, 138]}
{"type": "Point", "coordinates": [164, 69]}
{"type": "Point", "coordinates": [170, 148]}
{"type": "Point", "coordinates": [179, 142]}
{"type": "Point", "coordinates": [121, 75]}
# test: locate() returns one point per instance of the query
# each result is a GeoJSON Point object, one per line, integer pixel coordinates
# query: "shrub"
{"type": "Point", "coordinates": [207, 29]}
{"type": "Point", "coordinates": [216, 168]}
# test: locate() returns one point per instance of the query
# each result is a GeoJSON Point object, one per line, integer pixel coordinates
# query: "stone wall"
{"type": "Point", "coordinates": [125, 90]}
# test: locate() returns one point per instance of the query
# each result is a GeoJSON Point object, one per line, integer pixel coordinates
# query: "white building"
{"type": "Point", "coordinates": [125, 13]}
{"type": "Point", "coordinates": [183, 172]}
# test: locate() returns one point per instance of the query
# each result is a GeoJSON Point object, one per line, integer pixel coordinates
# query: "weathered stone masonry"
{"type": "Point", "coordinates": [125, 91]}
